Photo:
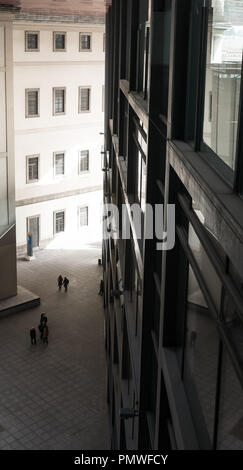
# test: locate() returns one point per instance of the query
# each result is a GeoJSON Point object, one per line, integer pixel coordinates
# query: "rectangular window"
{"type": "Point", "coordinates": [32, 168]}
{"type": "Point", "coordinates": [59, 101]}
{"type": "Point", "coordinates": [83, 216]}
{"type": "Point", "coordinates": [59, 41]}
{"type": "Point", "coordinates": [223, 77]}
{"type": "Point", "coordinates": [32, 102]}
{"type": "Point", "coordinates": [84, 161]}
{"type": "Point", "coordinates": [59, 163]}
{"type": "Point", "coordinates": [85, 42]}
{"type": "Point", "coordinates": [84, 99]}
{"type": "Point", "coordinates": [59, 220]}
{"type": "Point", "coordinates": [32, 41]}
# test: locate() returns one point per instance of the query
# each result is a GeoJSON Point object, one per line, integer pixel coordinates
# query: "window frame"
{"type": "Point", "coordinates": [79, 162]}
{"type": "Point", "coordinates": [87, 87]}
{"type": "Point", "coordinates": [28, 157]}
{"type": "Point", "coordinates": [54, 41]}
{"type": "Point", "coordinates": [54, 221]}
{"type": "Point", "coordinates": [83, 33]}
{"type": "Point", "coordinates": [84, 206]}
{"type": "Point", "coordinates": [54, 89]}
{"type": "Point", "coordinates": [27, 32]}
{"type": "Point", "coordinates": [27, 91]}
{"type": "Point", "coordinates": [54, 163]}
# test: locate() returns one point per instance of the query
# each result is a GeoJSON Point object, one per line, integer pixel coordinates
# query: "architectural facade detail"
{"type": "Point", "coordinates": [58, 119]}
{"type": "Point", "coordinates": [173, 135]}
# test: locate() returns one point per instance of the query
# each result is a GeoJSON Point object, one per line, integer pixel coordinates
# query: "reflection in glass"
{"type": "Point", "coordinates": [208, 272]}
{"type": "Point", "coordinates": [200, 361]}
{"type": "Point", "coordinates": [223, 76]}
{"type": "Point", "coordinates": [230, 427]}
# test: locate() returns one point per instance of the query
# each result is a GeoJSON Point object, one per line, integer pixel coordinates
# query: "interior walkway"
{"type": "Point", "coordinates": [54, 397]}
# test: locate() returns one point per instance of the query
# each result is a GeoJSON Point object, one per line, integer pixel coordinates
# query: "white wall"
{"type": "Point", "coordinates": [71, 205]}
{"type": "Point", "coordinates": [47, 134]}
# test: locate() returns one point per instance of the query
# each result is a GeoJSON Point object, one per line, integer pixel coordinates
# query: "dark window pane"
{"type": "Point", "coordinates": [223, 76]}
{"type": "Point", "coordinates": [33, 168]}
{"type": "Point", "coordinates": [59, 101]}
{"type": "Point", "coordinates": [32, 103]}
{"type": "Point", "coordinates": [230, 427]}
{"type": "Point", "coordinates": [60, 41]}
{"type": "Point", "coordinates": [32, 41]}
{"type": "Point", "coordinates": [84, 160]}
{"type": "Point", "coordinates": [85, 99]}
{"type": "Point", "coordinates": [201, 361]}
{"type": "Point", "coordinates": [85, 41]}
{"type": "Point", "coordinates": [59, 222]}
{"type": "Point", "coordinates": [59, 164]}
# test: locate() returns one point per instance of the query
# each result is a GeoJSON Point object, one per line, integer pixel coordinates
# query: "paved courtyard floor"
{"type": "Point", "coordinates": [54, 396]}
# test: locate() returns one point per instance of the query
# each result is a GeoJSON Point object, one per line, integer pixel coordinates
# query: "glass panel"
{"type": "Point", "coordinates": [32, 41]}
{"type": "Point", "coordinates": [59, 164]}
{"type": "Point", "coordinates": [85, 93]}
{"type": "Point", "coordinates": [32, 103]}
{"type": "Point", "coordinates": [223, 76]}
{"type": "Point", "coordinates": [59, 101]}
{"type": "Point", "coordinates": [85, 41]}
{"type": "Point", "coordinates": [59, 222]}
{"type": "Point", "coordinates": [33, 164]}
{"type": "Point", "coordinates": [233, 324]}
{"type": "Point", "coordinates": [230, 427]}
{"type": "Point", "coordinates": [3, 193]}
{"type": "Point", "coordinates": [84, 160]}
{"type": "Point", "coordinates": [60, 41]}
{"type": "Point", "coordinates": [208, 272]}
{"type": "Point", "coordinates": [201, 360]}
{"type": "Point", "coordinates": [83, 216]}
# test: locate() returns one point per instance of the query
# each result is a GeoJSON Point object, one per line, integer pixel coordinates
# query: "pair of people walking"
{"type": "Point", "coordinates": [43, 329]}
{"type": "Point", "coordinates": [62, 282]}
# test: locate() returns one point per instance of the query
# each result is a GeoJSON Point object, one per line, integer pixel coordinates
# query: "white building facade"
{"type": "Point", "coordinates": [59, 104]}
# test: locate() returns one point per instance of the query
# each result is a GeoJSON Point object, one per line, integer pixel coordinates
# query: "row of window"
{"type": "Point", "coordinates": [33, 223]}
{"type": "Point", "coordinates": [32, 41]}
{"type": "Point", "coordinates": [32, 101]}
{"type": "Point", "coordinates": [33, 165]}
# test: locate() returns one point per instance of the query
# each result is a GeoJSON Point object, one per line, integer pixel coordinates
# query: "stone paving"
{"type": "Point", "coordinates": [54, 396]}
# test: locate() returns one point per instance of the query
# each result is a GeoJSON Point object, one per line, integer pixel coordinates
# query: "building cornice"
{"type": "Point", "coordinates": [68, 19]}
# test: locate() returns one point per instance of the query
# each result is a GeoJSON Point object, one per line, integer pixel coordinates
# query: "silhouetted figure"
{"type": "Point", "coordinates": [42, 318]}
{"type": "Point", "coordinates": [33, 335]}
{"type": "Point", "coordinates": [101, 292]}
{"type": "Point", "coordinates": [65, 283]}
{"type": "Point", "coordinates": [41, 327]}
{"type": "Point", "coordinates": [45, 334]}
{"type": "Point", "coordinates": [60, 281]}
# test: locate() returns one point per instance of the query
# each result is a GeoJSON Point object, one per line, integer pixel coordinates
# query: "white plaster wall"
{"type": "Point", "coordinates": [70, 133]}
{"type": "Point", "coordinates": [46, 52]}
{"type": "Point", "coordinates": [71, 141]}
{"type": "Point", "coordinates": [71, 206]}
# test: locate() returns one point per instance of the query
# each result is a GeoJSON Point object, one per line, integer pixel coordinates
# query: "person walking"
{"type": "Point", "coordinates": [45, 334]}
{"type": "Point", "coordinates": [60, 281]}
{"type": "Point", "coordinates": [65, 283]}
{"type": "Point", "coordinates": [33, 335]}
